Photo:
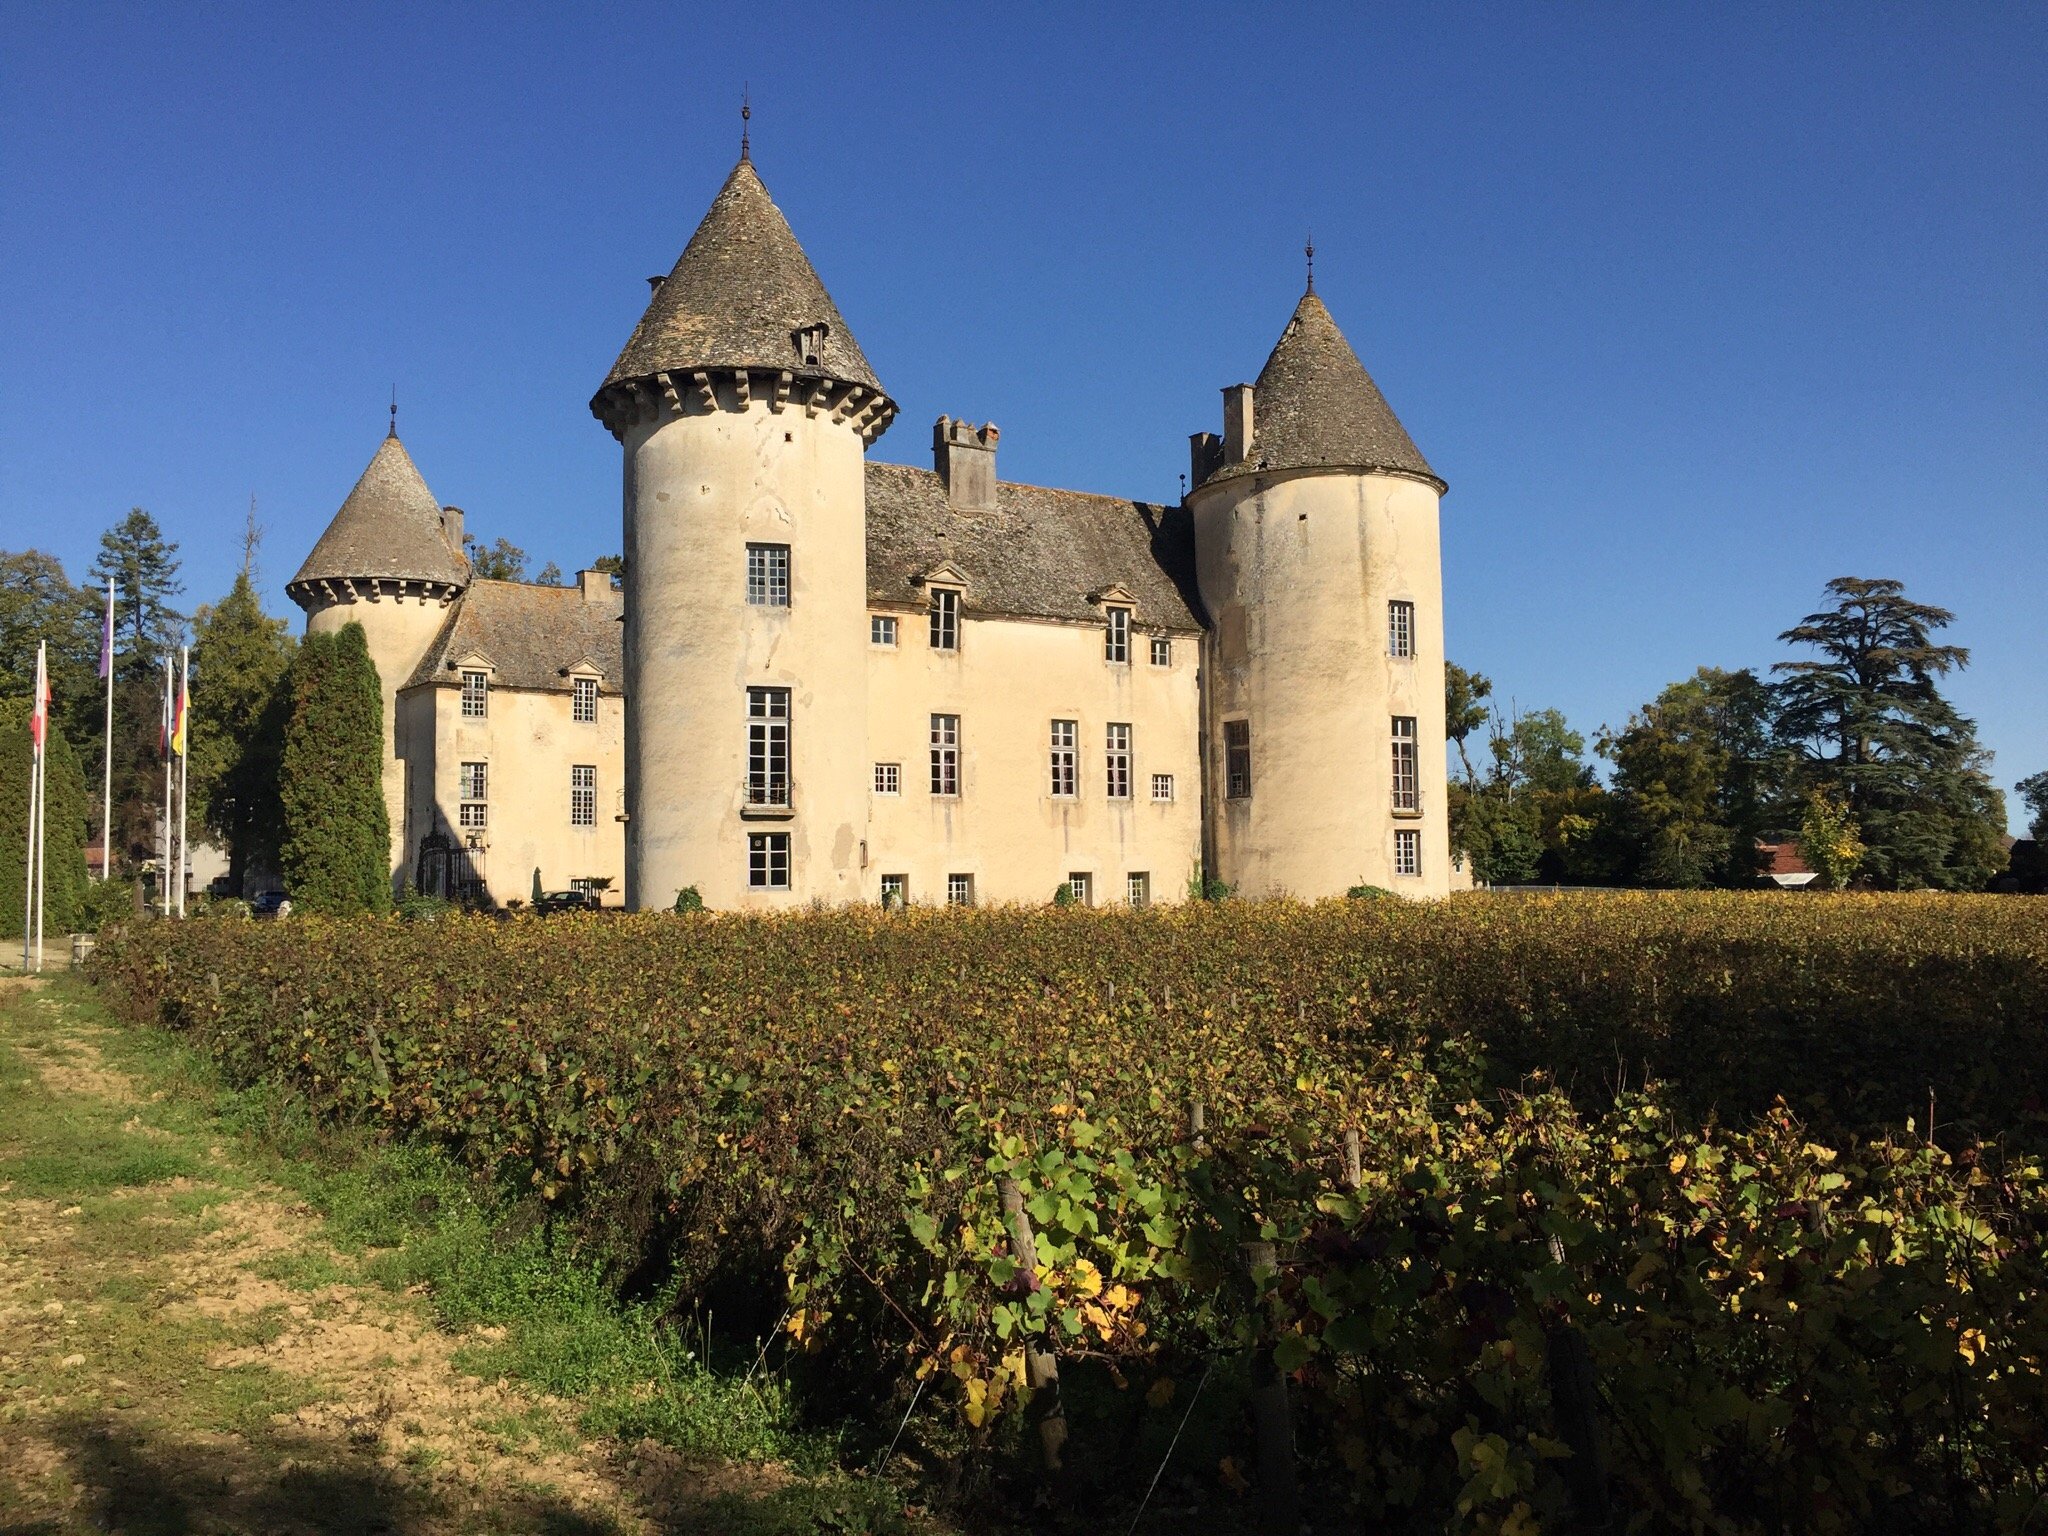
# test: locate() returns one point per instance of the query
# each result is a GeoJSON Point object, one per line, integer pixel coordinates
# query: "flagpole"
{"type": "Point", "coordinates": [184, 765]}
{"type": "Point", "coordinates": [42, 788]}
{"type": "Point", "coordinates": [107, 755]}
{"type": "Point", "coordinates": [164, 861]}
{"type": "Point", "coordinates": [28, 895]}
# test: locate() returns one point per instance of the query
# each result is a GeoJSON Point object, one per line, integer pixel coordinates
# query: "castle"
{"type": "Point", "coordinates": [830, 679]}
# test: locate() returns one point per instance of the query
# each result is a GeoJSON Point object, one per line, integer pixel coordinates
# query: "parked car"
{"type": "Point", "coordinates": [565, 901]}
{"type": "Point", "coordinates": [271, 904]}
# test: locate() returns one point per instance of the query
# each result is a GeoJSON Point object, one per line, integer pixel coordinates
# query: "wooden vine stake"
{"type": "Point", "coordinates": [1279, 1482]}
{"type": "Point", "coordinates": [1041, 1366]}
{"type": "Point", "coordinates": [1353, 1172]}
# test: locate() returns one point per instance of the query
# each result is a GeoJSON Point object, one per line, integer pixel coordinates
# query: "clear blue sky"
{"type": "Point", "coordinates": [1694, 307]}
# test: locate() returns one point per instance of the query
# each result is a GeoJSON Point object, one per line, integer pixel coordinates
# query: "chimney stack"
{"type": "Point", "coordinates": [1237, 423]}
{"type": "Point", "coordinates": [654, 283]}
{"type": "Point", "coordinates": [451, 525]}
{"type": "Point", "coordinates": [1205, 456]}
{"type": "Point", "coordinates": [593, 585]}
{"type": "Point", "coordinates": [965, 457]}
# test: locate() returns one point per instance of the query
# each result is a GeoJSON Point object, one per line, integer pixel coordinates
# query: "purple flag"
{"type": "Point", "coordinates": [107, 634]}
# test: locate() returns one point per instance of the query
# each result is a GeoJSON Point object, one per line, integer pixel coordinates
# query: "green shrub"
{"type": "Point", "coordinates": [688, 900]}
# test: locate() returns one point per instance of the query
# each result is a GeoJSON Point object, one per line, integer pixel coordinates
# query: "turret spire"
{"type": "Point", "coordinates": [393, 432]}
{"type": "Point", "coordinates": [1309, 251]}
{"type": "Point", "coordinates": [746, 113]}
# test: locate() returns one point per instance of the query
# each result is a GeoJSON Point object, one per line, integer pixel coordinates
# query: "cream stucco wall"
{"type": "Point", "coordinates": [699, 488]}
{"type": "Point", "coordinates": [528, 741]}
{"type": "Point", "coordinates": [1296, 572]}
{"type": "Point", "coordinates": [1008, 681]}
{"type": "Point", "coordinates": [398, 629]}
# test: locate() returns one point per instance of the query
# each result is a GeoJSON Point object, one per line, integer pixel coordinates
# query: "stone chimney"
{"type": "Point", "coordinates": [451, 526]}
{"type": "Point", "coordinates": [1205, 456]}
{"type": "Point", "coordinates": [1237, 423]}
{"type": "Point", "coordinates": [965, 457]}
{"type": "Point", "coordinates": [654, 283]}
{"type": "Point", "coordinates": [594, 586]}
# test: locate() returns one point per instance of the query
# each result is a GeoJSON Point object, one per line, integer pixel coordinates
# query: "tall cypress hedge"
{"type": "Point", "coordinates": [337, 836]}
{"type": "Point", "coordinates": [64, 827]}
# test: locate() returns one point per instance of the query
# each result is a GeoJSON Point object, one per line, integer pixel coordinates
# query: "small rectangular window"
{"type": "Point", "coordinates": [1162, 786]}
{"type": "Point", "coordinates": [1116, 639]}
{"type": "Point", "coordinates": [1117, 760]}
{"type": "Point", "coordinates": [1400, 629]}
{"type": "Point", "coordinates": [888, 778]}
{"type": "Point", "coordinates": [1082, 885]}
{"type": "Point", "coordinates": [583, 700]}
{"type": "Point", "coordinates": [1065, 780]}
{"type": "Point", "coordinates": [583, 795]}
{"type": "Point", "coordinates": [959, 890]}
{"type": "Point", "coordinates": [895, 890]}
{"type": "Point", "coordinates": [475, 695]}
{"type": "Point", "coordinates": [768, 575]}
{"type": "Point", "coordinates": [768, 746]}
{"type": "Point", "coordinates": [1407, 851]}
{"type": "Point", "coordinates": [1407, 781]}
{"type": "Point", "coordinates": [945, 619]}
{"type": "Point", "coordinates": [473, 813]}
{"type": "Point", "coordinates": [881, 629]}
{"type": "Point", "coordinates": [945, 754]}
{"type": "Point", "coordinates": [768, 861]}
{"type": "Point", "coordinates": [1162, 651]}
{"type": "Point", "coordinates": [1237, 759]}
{"type": "Point", "coordinates": [1138, 888]}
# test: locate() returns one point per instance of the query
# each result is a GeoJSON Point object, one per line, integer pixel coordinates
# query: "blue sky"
{"type": "Point", "coordinates": [1694, 307]}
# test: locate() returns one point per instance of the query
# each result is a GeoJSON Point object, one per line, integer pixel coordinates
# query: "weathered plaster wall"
{"type": "Point", "coordinates": [1297, 571]}
{"type": "Point", "coordinates": [1008, 681]}
{"type": "Point", "coordinates": [699, 488]}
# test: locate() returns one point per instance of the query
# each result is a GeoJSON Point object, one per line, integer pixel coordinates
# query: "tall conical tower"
{"type": "Point", "coordinates": [391, 561]}
{"type": "Point", "coordinates": [744, 407]}
{"type": "Point", "coordinates": [1317, 554]}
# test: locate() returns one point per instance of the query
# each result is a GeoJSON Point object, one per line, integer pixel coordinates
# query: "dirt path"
{"type": "Point", "coordinates": [181, 1351]}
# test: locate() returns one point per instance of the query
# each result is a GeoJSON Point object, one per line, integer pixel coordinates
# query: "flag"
{"type": "Point", "coordinates": [107, 634]}
{"type": "Point", "coordinates": [178, 723]}
{"type": "Point", "coordinates": [163, 733]}
{"type": "Point", "coordinates": [39, 719]}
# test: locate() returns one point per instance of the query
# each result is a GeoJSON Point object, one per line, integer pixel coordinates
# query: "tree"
{"type": "Point", "coordinates": [64, 825]}
{"type": "Point", "coordinates": [1828, 840]}
{"type": "Point", "coordinates": [336, 853]}
{"type": "Point", "coordinates": [240, 705]}
{"type": "Point", "coordinates": [611, 565]}
{"type": "Point", "coordinates": [1539, 751]}
{"type": "Point", "coordinates": [144, 566]}
{"type": "Point", "coordinates": [1695, 772]}
{"type": "Point", "coordinates": [39, 603]}
{"type": "Point", "coordinates": [501, 561]}
{"type": "Point", "coordinates": [1875, 731]}
{"type": "Point", "coordinates": [2033, 793]}
{"type": "Point", "coordinates": [1465, 708]}
{"type": "Point", "coordinates": [550, 575]}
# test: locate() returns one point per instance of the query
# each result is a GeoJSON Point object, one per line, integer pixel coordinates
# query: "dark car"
{"type": "Point", "coordinates": [565, 901]}
{"type": "Point", "coordinates": [270, 904]}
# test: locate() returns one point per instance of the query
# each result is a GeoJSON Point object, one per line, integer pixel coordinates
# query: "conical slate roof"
{"type": "Point", "coordinates": [1315, 406]}
{"type": "Point", "coordinates": [390, 526]}
{"type": "Point", "coordinates": [737, 295]}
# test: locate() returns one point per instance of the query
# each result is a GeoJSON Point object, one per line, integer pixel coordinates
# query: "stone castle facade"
{"type": "Point", "coordinates": [830, 678]}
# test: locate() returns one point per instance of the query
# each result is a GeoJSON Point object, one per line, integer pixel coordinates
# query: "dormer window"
{"type": "Point", "coordinates": [810, 343]}
{"type": "Point", "coordinates": [945, 619]}
{"type": "Point", "coordinates": [475, 695]}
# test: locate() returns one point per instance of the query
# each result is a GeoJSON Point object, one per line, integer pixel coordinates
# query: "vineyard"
{"type": "Point", "coordinates": [1715, 1213]}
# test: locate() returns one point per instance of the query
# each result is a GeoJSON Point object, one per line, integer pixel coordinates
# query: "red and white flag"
{"type": "Point", "coordinates": [39, 720]}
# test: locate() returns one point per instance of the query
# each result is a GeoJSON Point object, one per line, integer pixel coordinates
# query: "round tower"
{"type": "Point", "coordinates": [392, 562]}
{"type": "Point", "coordinates": [744, 407]}
{"type": "Point", "coordinates": [1317, 556]}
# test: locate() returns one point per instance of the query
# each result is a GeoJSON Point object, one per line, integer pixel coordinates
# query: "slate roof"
{"type": "Point", "coordinates": [738, 291]}
{"type": "Point", "coordinates": [529, 634]}
{"type": "Point", "coordinates": [390, 526]}
{"type": "Point", "coordinates": [1037, 553]}
{"type": "Point", "coordinates": [1314, 405]}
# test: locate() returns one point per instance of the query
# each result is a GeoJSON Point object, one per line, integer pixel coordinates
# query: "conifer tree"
{"type": "Point", "coordinates": [336, 854]}
{"type": "Point", "coordinates": [240, 657]}
{"type": "Point", "coordinates": [64, 823]}
{"type": "Point", "coordinates": [144, 567]}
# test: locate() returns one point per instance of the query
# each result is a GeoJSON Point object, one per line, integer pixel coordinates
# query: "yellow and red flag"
{"type": "Point", "coordinates": [178, 721]}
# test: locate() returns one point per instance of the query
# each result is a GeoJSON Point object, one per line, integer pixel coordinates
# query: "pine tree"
{"type": "Point", "coordinates": [64, 826]}
{"type": "Point", "coordinates": [144, 566]}
{"type": "Point", "coordinates": [1877, 733]}
{"type": "Point", "coordinates": [240, 657]}
{"type": "Point", "coordinates": [336, 854]}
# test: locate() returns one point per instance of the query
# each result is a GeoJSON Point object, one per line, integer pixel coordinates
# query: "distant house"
{"type": "Point", "coordinates": [1783, 865]}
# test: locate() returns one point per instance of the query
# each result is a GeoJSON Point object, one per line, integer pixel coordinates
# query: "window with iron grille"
{"type": "Point", "coordinates": [768, 861]}
{"type": "Point", "coordinates": [1138, 888]}
{"type": "Point", "coordinates": [475, 695]}
{"type": "Point", "coordinates": [945, 619]}
{"type": "Point", "coordinates": [1065, 781]}
{"type": "Point", "coordinates": [1116, 639]}
{"type": "Point", "coordinates": [959, 890]}
{"type": "Point", "coordinates": [1117, 760]}
{"type": "Point", "coordinates": [473, 813]}
{"type": "Point", "coordinates": [768, 746]}
{"type": "Point", "coordinates": [768, 575]}
{"type": "Point", "coordinates": [1237, 759]}
{"type": "Point", "coordinates": [1400, 629]}
{"type": "Point", "coordinates": [1407, 780]}
{"type": "Point", "coordinates": [1162, 786]}
{"type": "Point", "coordinates": [1082, 885]}
{"type": "Point", "coordinates": [895, 890]}
{"type": "Point", "coordinates": [1162, 651]}
{"type": "Point", "coordinates": [583, 795]}
{"type": "Point", "coordinates": [583, 700]}
{"type": "Point", "coordinates": [945, 754]}
{"type": "Point", "coordinates": [888, 778]}
{"type": "Point", "coordinates": [1407, 851]}
{"type": "Point", "coordinates": [881, 629]}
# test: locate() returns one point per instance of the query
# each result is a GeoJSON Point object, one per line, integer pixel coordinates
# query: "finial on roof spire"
{"type": "Point", "coordinates": [394, 412]}
{"type": "Point", "coordinates": [746, 112]}
{"type": "Point", "coordinates": [1309, 251]}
